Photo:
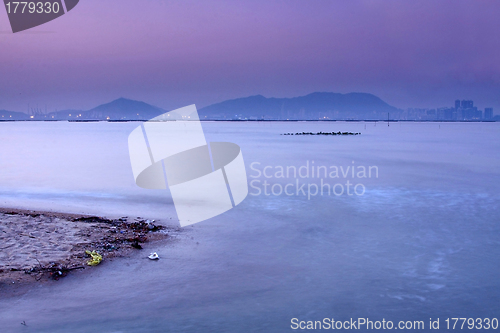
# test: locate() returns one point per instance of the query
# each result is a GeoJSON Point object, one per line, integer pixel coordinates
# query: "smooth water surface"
{"type": "Point", "coordinates": [421, 242]}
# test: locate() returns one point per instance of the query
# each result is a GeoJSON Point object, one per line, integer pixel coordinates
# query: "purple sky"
{"type": "Point", "coordinates": [174, 53]}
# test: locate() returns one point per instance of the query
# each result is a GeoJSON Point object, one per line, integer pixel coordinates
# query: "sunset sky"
{"type": "Point", "coordinates": [175, 53]}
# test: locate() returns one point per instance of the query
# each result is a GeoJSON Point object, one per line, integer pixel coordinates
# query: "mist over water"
{"type": "Point", "coordinates": [421, 242]}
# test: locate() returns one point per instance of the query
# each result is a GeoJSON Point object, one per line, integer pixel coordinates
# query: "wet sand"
{"type": "Point", "coordinates": [36, 247]}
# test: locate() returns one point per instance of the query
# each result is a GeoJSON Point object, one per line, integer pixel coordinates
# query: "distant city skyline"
{"type": "Point", "coordinates": [315, 106]}
{"type": "Point", "coordinates": [410, 54]}
{"type": "Point", "coordinates": [464, 104]}
{"type": "Point", "coordinates": [462, 110]}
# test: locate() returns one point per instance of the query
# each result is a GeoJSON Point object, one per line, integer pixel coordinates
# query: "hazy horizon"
{"type": "Point", "coordinates": [42, 108]}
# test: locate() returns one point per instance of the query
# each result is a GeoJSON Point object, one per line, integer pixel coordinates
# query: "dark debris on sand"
{"type": "Point", "coordinates": [109, 237]}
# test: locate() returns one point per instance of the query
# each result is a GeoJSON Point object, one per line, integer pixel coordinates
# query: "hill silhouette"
{"type": "Point", "coordinates": [315, 106]}
{"type": "Point", "coordinates": [119, 109]}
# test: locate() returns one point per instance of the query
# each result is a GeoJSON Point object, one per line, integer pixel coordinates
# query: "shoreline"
{"type": "Point", "coordinates": [37, 247]}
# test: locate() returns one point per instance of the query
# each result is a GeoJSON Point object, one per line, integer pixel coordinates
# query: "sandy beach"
{"type": "Point", "coordinates": [39, 246]}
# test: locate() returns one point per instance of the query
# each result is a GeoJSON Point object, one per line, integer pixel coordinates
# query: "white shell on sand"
{"type": "Point", "coordinates": [154, 256]}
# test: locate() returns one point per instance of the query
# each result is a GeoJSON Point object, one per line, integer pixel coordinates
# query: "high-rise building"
{"type": "Point", "coordinates": [488, 113]}
{"type": "Point", "coordinates": [457, 104]}
{"type": "Point", "coordinates": [478, 114]}
{"type": "Point", "coordinates": [446, 114]}
{"type": "Point", "coordinates": [467, 104]}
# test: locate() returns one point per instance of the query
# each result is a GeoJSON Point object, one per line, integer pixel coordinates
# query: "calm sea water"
{"type": "Point", "coordinates": [423, 241]}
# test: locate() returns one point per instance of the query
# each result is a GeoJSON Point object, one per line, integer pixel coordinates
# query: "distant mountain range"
{"type": "Point", "coordinates": [120, 109]}
{"type": "Point", "coordinates": [315, 106]}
